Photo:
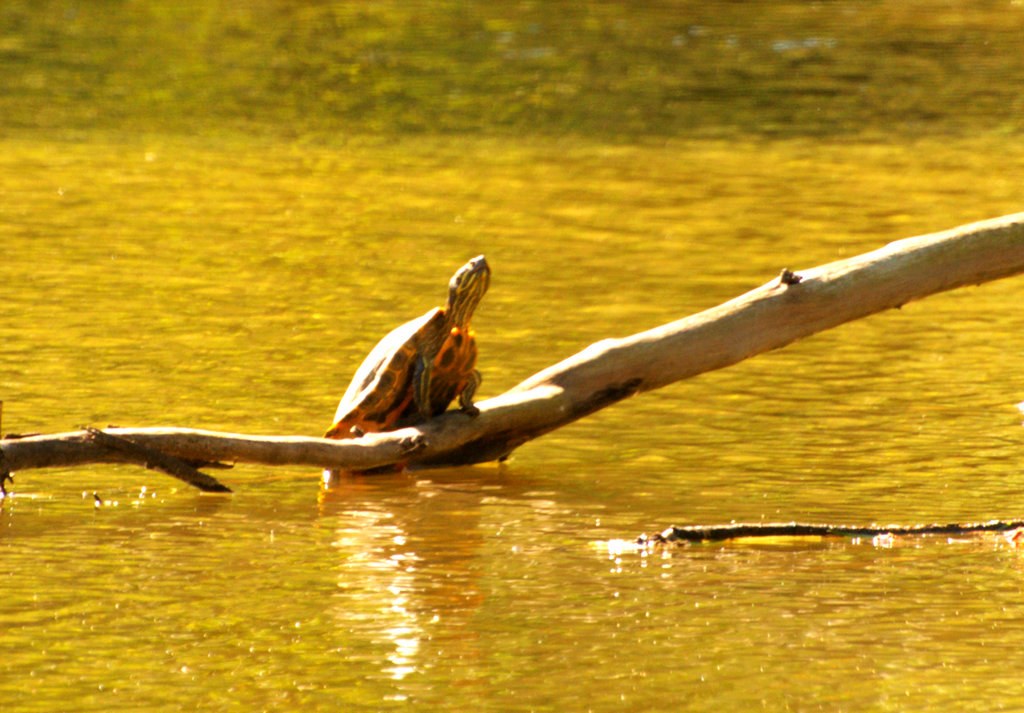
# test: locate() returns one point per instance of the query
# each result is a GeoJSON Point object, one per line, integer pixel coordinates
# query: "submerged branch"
{"type": "Point", "coordinates": [795, 305]}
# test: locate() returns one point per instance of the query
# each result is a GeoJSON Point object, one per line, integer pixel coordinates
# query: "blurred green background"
{"type": "Point", "coordinates": [622, 71]}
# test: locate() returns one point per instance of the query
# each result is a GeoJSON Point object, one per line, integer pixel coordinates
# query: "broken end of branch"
{"type": "Point", "coordinates": [154, 459]}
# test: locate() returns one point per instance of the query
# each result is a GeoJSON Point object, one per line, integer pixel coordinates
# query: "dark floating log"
{"type": "Point", "coordinates": [734, 531]}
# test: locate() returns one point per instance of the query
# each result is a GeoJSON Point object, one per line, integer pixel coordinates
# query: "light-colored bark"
{"type": "Point", "coordinates": [763, 319]}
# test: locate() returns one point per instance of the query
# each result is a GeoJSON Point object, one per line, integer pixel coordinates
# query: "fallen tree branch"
{"type": "Point", "coordinates": [719, 533]}
{"type": "Point", "coordinates": [795, 305]}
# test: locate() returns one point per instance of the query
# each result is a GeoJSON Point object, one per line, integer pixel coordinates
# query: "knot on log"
{"type": "Point", "coordinates": [412, 444]}
{"type": "Point", "coordinates": [788, 277]}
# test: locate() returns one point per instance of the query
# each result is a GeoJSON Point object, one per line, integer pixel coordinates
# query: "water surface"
{"type": "Point", "coordinates": [162, 267]}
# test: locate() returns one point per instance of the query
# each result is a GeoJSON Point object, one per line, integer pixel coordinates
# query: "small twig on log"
{"type": "Point", "coordinates": [152, 458]}
{"type": "Point", "coordinates": [718, 533]}
{"type": "Point", "coordinates": [788, 277]}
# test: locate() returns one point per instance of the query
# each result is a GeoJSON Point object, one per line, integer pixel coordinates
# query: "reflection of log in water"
{"type": "Point", "coordinates": [764, 530]}
{"type": "Point", "coordinates": [795, 305]}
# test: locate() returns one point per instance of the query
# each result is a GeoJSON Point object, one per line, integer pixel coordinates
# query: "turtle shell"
{"type": "Point", "coordinates": [394, 387]}
{"type": "Point", "coordinates": [381, 389]}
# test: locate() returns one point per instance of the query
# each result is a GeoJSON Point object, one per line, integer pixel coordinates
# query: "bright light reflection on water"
{"type": "Point", "coordinates": [388, 587]}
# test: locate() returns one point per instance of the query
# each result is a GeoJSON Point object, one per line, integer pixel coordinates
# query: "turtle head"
{"type": "Point", "coordinates": [466, 289]}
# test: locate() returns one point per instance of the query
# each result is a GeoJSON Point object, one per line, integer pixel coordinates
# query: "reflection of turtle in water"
{"type": "Point", "coordinates": [420, 367]}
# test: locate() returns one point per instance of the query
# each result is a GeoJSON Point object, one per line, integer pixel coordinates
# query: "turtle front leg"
{"type": "Point", "coordinates": [466, 397]}
{"type": "Point", "coordinates": [421, 385]}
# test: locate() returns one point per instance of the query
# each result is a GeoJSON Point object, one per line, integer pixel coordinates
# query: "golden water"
{"type": "Point", "coordinates": [234, 281]}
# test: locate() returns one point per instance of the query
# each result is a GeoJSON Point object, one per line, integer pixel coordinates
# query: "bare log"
{"type": "Point", "coordinates": [796, 304]}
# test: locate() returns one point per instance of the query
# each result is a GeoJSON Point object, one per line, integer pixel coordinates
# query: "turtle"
{"type": "Point", "coordinates": [419, 368]}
